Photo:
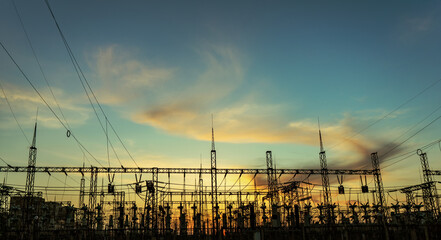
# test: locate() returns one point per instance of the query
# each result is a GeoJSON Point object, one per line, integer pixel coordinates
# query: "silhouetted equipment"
{"type": "Point", "coordinates": [276, 209]}
{"type": "Point", "coordinates": [325, 181]}
{"type": "Point", "coordinates": [30, 177]}
{"type": "Point", "coordinates": [429, 190]}
{"type": "Point", "coordinates": [364, 187]}
{"type": "Point", "coordinates": [82, 189]}
{"type": "Point", "coordinates": [341, 189]}
{"type": "Point", "coordinates": [379, 192]}
{"type": "Point", "coordinates": [214, 202]}
{"type": "Point", "coordinates": [150, 186]}
{"type": "Point", "coordinates": [93, 187]}
{"type": "Point", "coordinates": [111, 188]}
{"type": "Point", "coordinates": [272, 179]}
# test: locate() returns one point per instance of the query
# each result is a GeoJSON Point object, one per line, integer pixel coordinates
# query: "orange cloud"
{"type": "Point", "coordinates": [184, 108]}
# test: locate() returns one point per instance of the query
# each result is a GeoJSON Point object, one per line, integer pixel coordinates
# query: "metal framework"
{"type": "Point", "coordinates": [410, 189]}
{"type": "Point", "coordinates": [379, 193]}
{"type": "Point", "coordinates": [325, 181]}
{"type": "Point", "coordinates": [271, 177]}
{"type": "Point", "coordinates": [82, 190]}
{"type": "Point", "coordinates": [93, 188]}
{"type": "Point", "coordinates": [429, 190]}
{"type": "Point", "coordinates": [434, 172]}
{"type": "Point", "coordinates": [30, 177]}
{"type": "Point", "coordinates": [214, 202]}
{"type": "Point", "coordinates": [183, 170]}
{"type": "Point", "coordinates": [155, 199]}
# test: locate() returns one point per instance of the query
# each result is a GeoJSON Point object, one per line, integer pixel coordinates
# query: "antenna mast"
{"type": "Point", "coordinates": [325, 178]}
{"type": "Point", "coordinates": [30, 177]}
{"type": "Point", "coordinates": [214, 204]}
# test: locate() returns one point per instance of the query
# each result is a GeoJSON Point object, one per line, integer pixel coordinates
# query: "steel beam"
{"type": "Point", "coordinates": [184, 170]}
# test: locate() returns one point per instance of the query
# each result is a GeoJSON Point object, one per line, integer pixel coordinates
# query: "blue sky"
{"type": "Point", "coordinates": [266, 71]}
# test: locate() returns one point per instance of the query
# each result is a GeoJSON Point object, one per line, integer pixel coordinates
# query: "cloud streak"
{"type": "Point", "coordinates": [24, 102]}
{"type": "Point", "coordinates": [162, 101]}
{"type": "Point", "coordinates": [123, 79]}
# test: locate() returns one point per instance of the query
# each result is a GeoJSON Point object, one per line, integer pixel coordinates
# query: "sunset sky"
{"type": "Point", "coordinates": [266, 71]}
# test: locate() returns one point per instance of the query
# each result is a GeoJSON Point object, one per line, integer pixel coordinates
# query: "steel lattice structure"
{"type": "Point", "coordinates": [429, 191]}
{"type": "Point", "coordinates": [83, 170]}
{"type": "Point", "coordinates": [30, 177]}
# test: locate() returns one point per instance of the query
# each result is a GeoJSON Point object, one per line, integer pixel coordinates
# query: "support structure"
{"type": "Point", "coordinates": [379, 193]}
{"type": "Point", "coordinates": [327, 201]}
{"type": "Point", "coordinates": [155, 201]}
{"type": "Point", "coordinates": [82, 189]}
{"type": "Point", "coordinates": [429, 190]}
{"type": "Point", "coordinates": [409, 191]}
{"type": "Point", "coordinates": [214, 203]}
{"type": "Point", "coordinates": [271, 177]}
{"type": "Point", "coordinates": [230, 171]}
{"type": "Point", "coordinates": [93, 188]}
{"type": "Point", "coordinates": [30, 177]}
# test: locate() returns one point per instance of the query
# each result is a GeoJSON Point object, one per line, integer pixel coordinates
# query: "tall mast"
{"type": "Point", "coordinates": [30, 177]}
{"type": "Point", "coordinates": [214, 205]}
{"type": "Point", "coordinates": [325, 178]}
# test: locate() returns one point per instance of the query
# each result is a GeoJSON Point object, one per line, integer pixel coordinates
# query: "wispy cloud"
{"type": "Point", "coordinates": [414, 28]}
{"type": "Point", "coordinates": [420, 24]}
{"type": "Point", "coordinates": [241, 118]}
{"type": "Point", "coordinates": [123, 78]}
{"type": "Point", "coordinates": [247, 123]}
{"type": "Point", "coordinates": [25, 102]}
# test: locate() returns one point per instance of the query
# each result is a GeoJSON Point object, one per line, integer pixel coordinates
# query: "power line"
{"type": "Point", "coordinates": [5, 162]}
{"type": "Point", "coordinates": [13, 114]}
{"type": "Point", "coordinates": [413, 135]}
{"type": "Point", "coordinates": [81, 78]}
{"type": "Point", "coordinates": [422, 120]}
{"type": "Point", "coordinates": [40, 67]}
{"type": "Point", "coordinates": [388, 114]}
{"type": "Point", "coordinates": [45, 102]}
{"type": "Point", "coordinates": [410, 153]}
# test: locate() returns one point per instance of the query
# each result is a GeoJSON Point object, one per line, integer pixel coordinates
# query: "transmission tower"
{"type": "Point", "coordinates": [271, 177]}
{"type": "Point", "coordinates": [325, 180]}
{"type": "Point", "coordinates": [201, 190]}
{"type": "Point", "coordinates": [30, 177]}
{"type": "Point", "coordinates": [155, 204]}
{"type": "Point", "coordinates": [429, 190]}
{"type": "Point", "coordinates": [214, 204]}
{"type": "Point", "coordinates": [82, 188]}
{"type": "Point", "coordinates": [93, 188]}
{"type": "Point", "coordinates": [380, 200]}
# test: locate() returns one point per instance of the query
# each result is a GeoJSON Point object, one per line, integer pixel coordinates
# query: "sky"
{"type": "Point", "coordinates": [266, 72]}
